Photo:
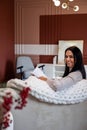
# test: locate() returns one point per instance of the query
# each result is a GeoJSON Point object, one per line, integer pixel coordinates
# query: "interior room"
{"type": "Point", "coordinates": [35, 28]}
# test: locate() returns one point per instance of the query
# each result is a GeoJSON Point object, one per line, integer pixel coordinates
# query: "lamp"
{"type": "Point", "coordinates": [56, 2]}
{"type": "Point", "coordinates": [66, 5]}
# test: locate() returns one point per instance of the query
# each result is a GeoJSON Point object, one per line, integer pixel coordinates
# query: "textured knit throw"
{"type": "Point", "coordinates": [40, 90]}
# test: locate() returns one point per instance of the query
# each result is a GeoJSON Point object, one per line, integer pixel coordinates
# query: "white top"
{"type": "Point", "coordinates": [65, 82]}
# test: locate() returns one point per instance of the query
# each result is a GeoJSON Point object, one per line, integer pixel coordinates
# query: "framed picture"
{"type": "Point", "coordinates": [63, 44]}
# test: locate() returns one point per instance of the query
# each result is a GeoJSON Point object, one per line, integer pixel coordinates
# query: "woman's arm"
{"type": "Point", "coordinates": [65, 82]}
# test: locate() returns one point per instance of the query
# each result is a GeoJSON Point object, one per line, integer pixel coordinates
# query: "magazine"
{"type": "Point", "coordinates": [38, 73]}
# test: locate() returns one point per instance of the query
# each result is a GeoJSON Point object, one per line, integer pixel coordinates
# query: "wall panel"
{"type": "Point", "coordinates": [6, 40]}
{"type": "Point", "coordinates": [64, 27]}
{"type": "Point", "coordinates": [31, 17]}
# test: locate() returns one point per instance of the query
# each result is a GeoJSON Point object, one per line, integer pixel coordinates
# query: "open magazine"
{"type": "Point", "coordinates": [38, 72]}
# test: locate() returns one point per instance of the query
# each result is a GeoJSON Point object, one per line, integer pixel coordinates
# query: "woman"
{"type": "Point", "coordinates": [74, 70]}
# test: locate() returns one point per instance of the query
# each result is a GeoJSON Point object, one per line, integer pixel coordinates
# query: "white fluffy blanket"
{"type": "Point", "coordinates": [40, 90]}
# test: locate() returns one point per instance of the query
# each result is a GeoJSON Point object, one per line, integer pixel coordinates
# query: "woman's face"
{"type": "Point", "coordinates": [69, 59]}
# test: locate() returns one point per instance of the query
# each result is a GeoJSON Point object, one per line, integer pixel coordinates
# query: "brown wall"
{"type": "Point", "coordinates": [29, 31]}
{"type": "Point", "coordinates": [6, 39]}
{"type": "Point", "coordinates": [63, 27]}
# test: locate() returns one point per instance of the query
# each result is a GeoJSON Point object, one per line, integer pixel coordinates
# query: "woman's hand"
{"type": "Point", "coordinates": [43, 78]}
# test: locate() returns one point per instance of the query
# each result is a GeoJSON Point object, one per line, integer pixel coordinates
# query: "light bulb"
{"type": "Point", "coordinates": [57, 3]}
{"type": "Point", "coordinates": [71, 0]}
{"type": "Point", "coordinates": [76, 8]}
{"type": "Point", "coordinates": [64, 5]}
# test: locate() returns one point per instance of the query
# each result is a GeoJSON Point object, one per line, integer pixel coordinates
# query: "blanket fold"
{"type": "Point", "coordinates": [41, 90]}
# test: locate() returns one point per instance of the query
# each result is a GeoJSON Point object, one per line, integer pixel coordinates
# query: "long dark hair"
{"type": "Point", "coordinates": [78, 62]}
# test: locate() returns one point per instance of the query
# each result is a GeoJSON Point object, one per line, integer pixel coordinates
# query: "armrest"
{"type": "Point", "coordinates": [20, 67]}
{"type": "Point", "coordinates": [41, 66]}
{"type": "Point", "coordinates": [21, 71]}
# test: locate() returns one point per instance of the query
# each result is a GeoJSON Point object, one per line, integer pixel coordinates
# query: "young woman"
{"type": "Point", "coordinates": [74, 70]}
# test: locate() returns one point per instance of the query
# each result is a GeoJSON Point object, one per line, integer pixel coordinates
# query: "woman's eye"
{"type": "Point", "coordinates": [69, 57]}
